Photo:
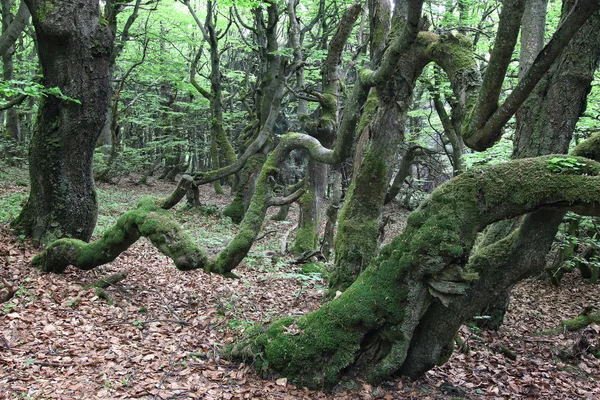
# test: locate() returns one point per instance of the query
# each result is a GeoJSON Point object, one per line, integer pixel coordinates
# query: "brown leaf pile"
{"type": "Point", "coordinates": [161, 339]}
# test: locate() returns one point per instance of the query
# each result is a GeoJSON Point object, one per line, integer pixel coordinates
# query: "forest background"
{"type": "Point", "coordinates": [390, 102]}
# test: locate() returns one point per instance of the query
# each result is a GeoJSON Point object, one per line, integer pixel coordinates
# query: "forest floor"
{"type": "Point", "coordinates": [162, 336]}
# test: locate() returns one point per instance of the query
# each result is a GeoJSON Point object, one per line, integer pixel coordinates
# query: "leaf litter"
{"type": "Point", "coordinates": [162, 336]}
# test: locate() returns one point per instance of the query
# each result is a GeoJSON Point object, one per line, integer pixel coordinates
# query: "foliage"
{"type": "Point", "coordinates": [564, 165]}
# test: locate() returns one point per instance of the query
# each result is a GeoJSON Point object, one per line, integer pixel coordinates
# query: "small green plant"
{"type": "Point", "coordinates": [137, 323]}
{"type": "Point", "coordinates": [8, 307]}
{"type": "Point", "coordinates": [238, 324]}
{"type": "Point", "coordinates": [74, 302]}
{"type": "Point", "coordinates": [10, 206]}
{"type": "Point", "coordinates": [561, 165]}
{"type": "Point", "coordinates": [210, 210]}
{"type": "Point", "coordinates": [23, 396]}
{"type": "Point", "coordinates": [315, 268]}
{"type": "Point", "coordinates": [143, 310]}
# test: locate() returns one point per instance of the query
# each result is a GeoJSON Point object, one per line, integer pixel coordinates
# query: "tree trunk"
{"type": "Point", "coordinates": [368, 329]}
{"type": "Point", "coordinates": [12, 127]}
{"type": "Point", "coordinates": [546, 121]}
{"type": "Point", "coordinates": [508, 258]}
{"type": "Point", "coordinates": [74, 53]}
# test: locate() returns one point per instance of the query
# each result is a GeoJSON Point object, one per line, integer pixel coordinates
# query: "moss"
{"type": "Point", "coordinates": [235, 210]}
{"type": "Point", "coordinates": [306, 239]}
{"type": "Point", "coordinates": [314, 268]}
{"type": "Point", "coordinates": [368, 111]}
{"type": "Point", "coordinates": [458, 47]}
{"type": "Point", "coordinates": [365, 76]}
{"type": "Point", "coordinates": [146, 220]}
{"type": "Point", "coordinates": [589, 148]}
{"type": "Point", "coordinates": [358, 226]}
{"type": "Point", "coordinates": [384, 305]}
{"type": "Point", "coordinates": [238, 248]}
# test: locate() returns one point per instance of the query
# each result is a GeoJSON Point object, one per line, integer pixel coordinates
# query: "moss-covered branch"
{"type": "Point", "coordinates": [148, 220]}
{"type": "Point", "coordinates": [368, 329]}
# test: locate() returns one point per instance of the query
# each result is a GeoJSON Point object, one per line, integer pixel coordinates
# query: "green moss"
{"type": "Point", "coordinates": [314, 268]}
{"type": "Point", "coordinates": [368, 111]}
{"type": "Point", "coordinates": [365, 75]}
{"type": "Point", "coordinates": [306, 239]}
{"type": "Point", "coordinates": [146, 220]}
{"type": "Point", "coordinates": [384, 304]}
{"type": "Point", "coordinates": [235, 210]}
{"type": "Point", "coordinates": [589, 148]}
{"type": "Point", "coordinates": [358, 226]}
{"type": "Point", "coordinates": [238, 248]}
{"type": "Point", "coordinates": [458, 47]}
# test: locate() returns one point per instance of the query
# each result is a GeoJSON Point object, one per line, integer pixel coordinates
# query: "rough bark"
{"type": "Point", "coordinates": [368, 329]}
{"type": "Point", "coordinates": [323, 129]}
{"type": "Point", "coordinates": [485, 124]}
{"type": "Point", "coordinates": [335, 198]}
{"type": "Point", "coordinates": [546, 121]}
{"type": "Point", "coordinates": [72, 43]}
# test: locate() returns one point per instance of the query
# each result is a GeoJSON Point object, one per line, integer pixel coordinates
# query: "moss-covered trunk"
{"type": "Point", "coordinates": [245, 182]}
{"type": "Point", "coordinates": [562, 92]}
{"type": "Point", "coordinates": [309, 224]}
{"type": "Point", "coordinates": [369, 328]}
{"type": "Point", "coordinates": [356, 242]}
{"type": "Point", "coordinates": [62, 200]}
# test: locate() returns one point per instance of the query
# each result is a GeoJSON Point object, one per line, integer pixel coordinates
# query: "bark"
{"type": "Point", "coordinates": [12, 127]}
{"type": "Point", "coordinates": [148, 220]}
{"type": "Point", "coordinates": [484, 127]}
{"type": "Point", "coordinates": [335, 198]}
{"type": "Point", "coordinates": [110, 134]}
{"type": "Point", "coordinates": [532, 42]}
{"type": "Point", "coordinates": [246, 181]}
{"type": "Point", "coordinates": [404, 172]}
{"type": "Point", "coordinates": [357, 240]}
{"type": "Point", "coordinates": [14, 29]}
{"type": "Point", "coordinates": [267, 102]}
{"type": "Point", "coordinates": [220, 141]}
{"type": "Point", "coordinates": [546, 121]}
{"type": "Point", "coordinates": [324, 129]}
{"type": "Point", "coordinates": [62, 200]}
{"type": "Point", "coordinates": [500, 265]}
{"type": "Point", "coordinates": [368, 329]}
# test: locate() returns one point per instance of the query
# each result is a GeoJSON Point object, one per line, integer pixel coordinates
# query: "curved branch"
{"type": "Point", "coordinates": [148, 220]}
{"type": "Point", "coordinates": [282, 201]}
{"type": "Point", "coordinates": [422, 265]}
{"type": "Point", "coordinates": [14, 102]}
